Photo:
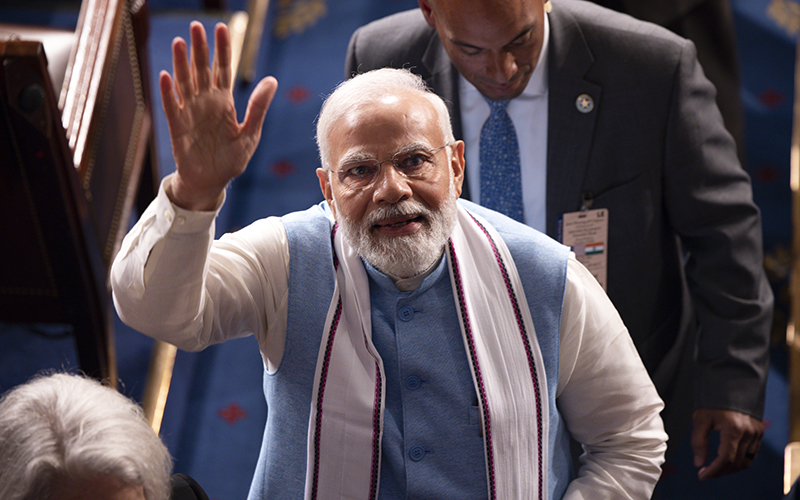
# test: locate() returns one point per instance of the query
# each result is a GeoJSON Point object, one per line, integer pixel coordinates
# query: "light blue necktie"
{"type": "Point", "coordinates": [501, 187]}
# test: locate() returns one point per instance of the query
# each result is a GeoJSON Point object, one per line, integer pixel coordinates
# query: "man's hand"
{"type": "Point", "coordinates": [739, 440]}
{"type": "Point", "coordinates": [209, 145]}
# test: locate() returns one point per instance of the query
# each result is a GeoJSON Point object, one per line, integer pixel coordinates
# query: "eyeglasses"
{"type": "Point", "coordinates": [415, 164]}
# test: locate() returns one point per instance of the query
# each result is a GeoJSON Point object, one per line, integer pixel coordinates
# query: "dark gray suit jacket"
{"type": "Point", "coordinates": [709, 24]}
{"type": "Point", "coordinates": [684, 245]}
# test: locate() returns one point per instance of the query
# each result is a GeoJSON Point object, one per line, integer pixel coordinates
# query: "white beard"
{"type": "Point", "coordinates": [403, 256]}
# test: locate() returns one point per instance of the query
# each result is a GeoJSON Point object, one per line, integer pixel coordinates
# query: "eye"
{"type": "Point", "coordinates": [520, 42]}
{"type": "Point", "coordinates": [523, 39]}
{"type": "Point", "coordinates": [414, 162]}
{"type": "Point", "coordinates": [471, 51]}
{"type": "Point", "coordinates": [360, 171]}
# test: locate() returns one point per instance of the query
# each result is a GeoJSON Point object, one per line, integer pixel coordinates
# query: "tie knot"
{"type": "Point", "coordinates": [497, 106]}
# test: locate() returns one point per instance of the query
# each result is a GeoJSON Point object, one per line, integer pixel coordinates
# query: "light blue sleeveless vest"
{"type": "Point", "coordinates": [280, 472]}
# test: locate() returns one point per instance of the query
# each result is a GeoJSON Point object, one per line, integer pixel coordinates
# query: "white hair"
{"type": "Point", "coordinates": [368, 88]}
{"type": "Point", "coordinates": [60, 426]}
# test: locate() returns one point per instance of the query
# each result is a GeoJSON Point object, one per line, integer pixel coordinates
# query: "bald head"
{"type": "Point", "coordinates": [494, 44]}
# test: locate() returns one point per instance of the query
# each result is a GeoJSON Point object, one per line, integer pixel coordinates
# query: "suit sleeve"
{"type": "Point", "coordinates": [709, 203]}
{"type": "Point", "coordinates": [397, 41]}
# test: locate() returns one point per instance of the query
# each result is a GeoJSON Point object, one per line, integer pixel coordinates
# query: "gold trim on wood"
{"type": "Point", "coordinates": [238, 23]}
{"type": "Point", "coordinates": [792, 454]}
{"type": "Point", "coordinates": [123, 201]}
{"type": "Point", "coordinates": [793, 340]}
{"type": "Point", "coordinates": [257, 10]}
{"type": "Point", "coordinates": [791, 468]}
{"type": "Point", "coordinates": [159, 377]}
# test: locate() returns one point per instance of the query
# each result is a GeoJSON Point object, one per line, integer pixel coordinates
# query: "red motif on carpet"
{"type": "Point", "coordinates": [282, 168]}
{"type": "Point", "coordinates": [232, 413]}
{"type": "Point", "coordinates": [298, 94]}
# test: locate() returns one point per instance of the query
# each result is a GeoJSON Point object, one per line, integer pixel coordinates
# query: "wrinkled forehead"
{"type": "Point", "coordinates": [386, 125]}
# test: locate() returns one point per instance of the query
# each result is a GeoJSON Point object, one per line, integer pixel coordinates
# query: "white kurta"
{"type": "Point", "coordinates": [173, 282]}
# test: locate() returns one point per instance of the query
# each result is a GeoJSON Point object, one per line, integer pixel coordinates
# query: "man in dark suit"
{"type": "Point", "coordinates": [616, 114]}
{"type": "Point", "coordinates": [709, 24]}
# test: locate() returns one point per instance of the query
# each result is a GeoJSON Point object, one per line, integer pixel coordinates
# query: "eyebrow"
{"type": "Point", "coordinates": [524, 32]}
{"type": "Point", "coordinates": [410, 148]}
{"type": "Point", "coordinates": [362, 156]}
{"type": "Point", "coordinates": [356, 157]}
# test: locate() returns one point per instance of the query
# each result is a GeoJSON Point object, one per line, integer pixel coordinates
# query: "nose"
{"type": "Point", "coordinates": [391, 186]}
{"type": "Point", "coordinates": [502, 66]}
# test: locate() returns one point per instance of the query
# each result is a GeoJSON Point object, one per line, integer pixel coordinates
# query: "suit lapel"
{"type": "Point", "coordinates": [570, 132]}
{"type": "Point", "coordinates": [442, 77]}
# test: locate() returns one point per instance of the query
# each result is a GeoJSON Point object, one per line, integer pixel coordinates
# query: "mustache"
{"type": "Point", "coordinates": [406, 207]}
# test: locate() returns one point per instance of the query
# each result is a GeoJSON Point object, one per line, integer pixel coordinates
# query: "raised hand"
{"type": "Point", "coordinates": [210, 146]}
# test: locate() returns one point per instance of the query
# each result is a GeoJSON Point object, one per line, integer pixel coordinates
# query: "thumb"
{"type": "Point", "coordinates": [700, 430]}
{"type": "Point", "coordinates": [257, 106]}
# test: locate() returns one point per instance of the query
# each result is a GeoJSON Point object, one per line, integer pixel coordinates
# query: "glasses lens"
{"type": "Point", "coordinates": [359, 174]}
{"type": "Point", "coordinates": [413, 165]}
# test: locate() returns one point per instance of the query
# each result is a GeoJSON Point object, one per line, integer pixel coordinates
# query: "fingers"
{"type": "Point", "coordinates": [192, 72]}
{"type": "Point", "coordinates": [739, 441]}
{"type": "Point", "coordinates": [222, 72]}
{"type": "Point", "coordinates": [257, 106]}
{"type": "Point", "coordinates": [730, 456]}
{"type": "Point", "coordinates": [184, 85]}
{"type": "Point", "coordinates": [730, 459]}
{"type": "Point", "coordinates": [714, 469]}
{"type": "Point", "coordinates": [751, 451]}
{"type": "Point", "coordinates": [752, 443]}
{"type": "Point", "coordinates": [699, 441]}
{"type": "Point", "coordinates": [168, 99]}
{"type": "Point", "coordinates": [200, 67]}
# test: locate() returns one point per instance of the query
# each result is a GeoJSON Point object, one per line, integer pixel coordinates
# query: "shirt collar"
{"type": "Point", "coordinates": [390, 283]}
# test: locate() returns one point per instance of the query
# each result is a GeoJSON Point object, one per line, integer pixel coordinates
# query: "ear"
{"type": "Point", "coordinates": [457, 163]}
{"type": "Point", "coordinates": [327, 191]}
{"type": "Point", "coordinates": [427, 11]}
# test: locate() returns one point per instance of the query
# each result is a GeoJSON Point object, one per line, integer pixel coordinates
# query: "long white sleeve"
{"type": "Point", "coordinates": [163, 279]}
{"type": "Point", "coordinates": [169, 269]}
{"type": "Point", "coordinates": [606, 397]}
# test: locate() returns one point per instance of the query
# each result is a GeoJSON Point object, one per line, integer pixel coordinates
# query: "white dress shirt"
{"type": "Point", "coordinates": [528, 112]}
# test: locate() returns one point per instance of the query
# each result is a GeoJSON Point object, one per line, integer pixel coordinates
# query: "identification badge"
{"type": "Point", "coordinates": [586, 232]}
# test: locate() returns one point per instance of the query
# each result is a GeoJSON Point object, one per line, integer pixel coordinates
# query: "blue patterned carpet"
{"type": "Point", "coordinates": [215, 413]}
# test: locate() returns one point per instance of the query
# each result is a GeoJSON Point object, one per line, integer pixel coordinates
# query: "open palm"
{"type": "Point", "coordinates": [210, 146]}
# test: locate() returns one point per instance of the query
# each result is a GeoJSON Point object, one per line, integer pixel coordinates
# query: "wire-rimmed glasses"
{"type": "Point", "coordinates": [416, 163]}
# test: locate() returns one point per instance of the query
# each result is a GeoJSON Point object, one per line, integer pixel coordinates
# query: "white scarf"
{"type": "Point", "coordinates": [346, 423]}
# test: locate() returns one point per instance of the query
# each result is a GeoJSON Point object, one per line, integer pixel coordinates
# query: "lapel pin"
{"type": "Point", "coordinates": [584, 103]}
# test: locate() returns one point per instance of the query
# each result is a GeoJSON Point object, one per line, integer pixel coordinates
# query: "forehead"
{"type": "Point", "coordinates": [486, 23]}
{"type": "Point", "coordinates": [382, 126]}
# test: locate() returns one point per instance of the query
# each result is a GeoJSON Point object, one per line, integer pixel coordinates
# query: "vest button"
{"type": "Point", "coordinates": [406, 313]}
{"type": "Point", "coordinates": [416, 453]}
{"type": "Point", "coordinates": [413, 382]}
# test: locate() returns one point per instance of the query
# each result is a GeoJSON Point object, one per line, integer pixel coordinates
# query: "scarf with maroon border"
{"type": "Point", "coordinates": [346, 423]}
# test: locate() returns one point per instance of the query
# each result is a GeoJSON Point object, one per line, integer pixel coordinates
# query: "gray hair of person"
{"type": "Point", "coordinates": [368, 88]}
{"type": "Point", "coordinates": [60, 426]}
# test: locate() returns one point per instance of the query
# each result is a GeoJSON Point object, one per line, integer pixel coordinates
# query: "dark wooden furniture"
{"type": "Point", "coordinates": [74, 159]}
